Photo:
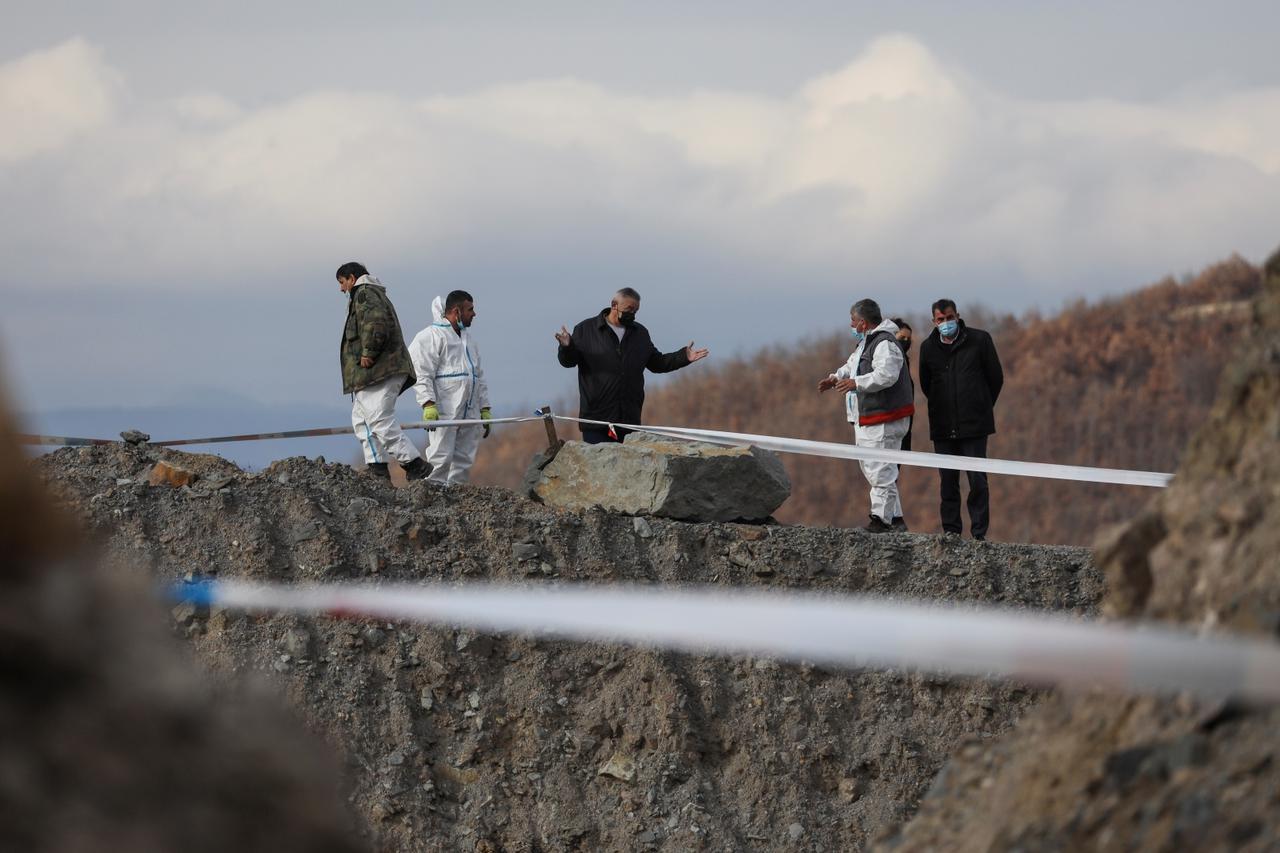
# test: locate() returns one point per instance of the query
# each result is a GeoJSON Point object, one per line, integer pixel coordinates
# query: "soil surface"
{"type": "Point", "coordinates": [455, 740]}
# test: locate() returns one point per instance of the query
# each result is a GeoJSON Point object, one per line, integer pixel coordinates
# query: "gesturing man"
{"type": "Point", "coordinates": [879, 403]}
{"type": "Point", "coordinates": [960, 374]}
{"type": "Point", "coordinates": [612, 351]}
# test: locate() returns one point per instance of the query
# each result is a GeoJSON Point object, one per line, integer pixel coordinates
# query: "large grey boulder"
{"type": "Point", "coordinates": [673, 478]}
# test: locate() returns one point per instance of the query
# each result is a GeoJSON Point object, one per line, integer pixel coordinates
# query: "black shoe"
{"type": "Point", "coordinates": [977, 538]}
{"type": "Point", "coordinates": [877, 525]}
{"type": "Point", "coordinates": [899, 524]}
{"type": "Point", "coordinates": [379, 470]}
{"type": "Point", "coordinates": [416, 469]}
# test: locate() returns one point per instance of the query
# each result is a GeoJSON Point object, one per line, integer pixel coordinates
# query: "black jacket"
{"type": "Point", "coordinates": [962, 382]}
{"type": "Point", "coordinates": [611, 372]}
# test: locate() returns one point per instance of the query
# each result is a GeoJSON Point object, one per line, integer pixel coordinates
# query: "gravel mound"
{"type": "Point", "coordinates": [453, 740]}
{"type": "Point", "coordinates": [1108, 773]}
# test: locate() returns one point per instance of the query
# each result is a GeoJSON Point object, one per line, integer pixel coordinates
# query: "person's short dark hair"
{"type": "Point", "coordinates": [869, 310]}
{"type": "Point", "coordinates": [943, 305]}
{"type": "Point", "coordinates": [629, 293]}
{"type": "Point", "coordinates": [900, 323]}
{"type": "Point", "coordinates": [351, 269]}
{"type": "Point", "coordinates": [456, 298]}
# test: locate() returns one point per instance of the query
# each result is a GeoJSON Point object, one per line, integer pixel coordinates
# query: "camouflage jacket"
{"type": "Point", "coordinates": [373, 331]}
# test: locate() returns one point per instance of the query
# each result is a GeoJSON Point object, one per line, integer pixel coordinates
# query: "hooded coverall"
{"type": "Point", "coordinates": [449, 374]}
{"type": "Point", "coordinates": [886, 364]}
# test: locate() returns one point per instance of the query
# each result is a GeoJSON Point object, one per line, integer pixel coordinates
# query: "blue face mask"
{"type": "Point", "coordinates": [949, 329]}
{"type": "Point", "coordinates": [857, 336]}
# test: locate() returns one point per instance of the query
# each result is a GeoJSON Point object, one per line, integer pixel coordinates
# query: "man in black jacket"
{"type": "Point", "coordinates": [611, 351]}
{"type": "Point", "coordinates": [960, 375]}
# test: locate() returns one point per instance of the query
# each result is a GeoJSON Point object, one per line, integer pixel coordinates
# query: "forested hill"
{"type": "Point", "coordinates": [1119, 383]}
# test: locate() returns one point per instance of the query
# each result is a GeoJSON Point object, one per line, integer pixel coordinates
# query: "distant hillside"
{"type": "Point", "coordinates": [1121, 383]}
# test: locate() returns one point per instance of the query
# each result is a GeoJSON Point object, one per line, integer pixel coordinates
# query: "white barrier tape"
{"type": "Point", "coordinates": [843, 631]}
{"type": "Point", "coordinates": [833, 450]}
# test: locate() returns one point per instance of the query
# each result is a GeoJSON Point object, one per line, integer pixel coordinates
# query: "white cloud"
{"type": "Point", "coordinates": [50, 97]}
{"type": "Point", "coordinates": [893, 162]}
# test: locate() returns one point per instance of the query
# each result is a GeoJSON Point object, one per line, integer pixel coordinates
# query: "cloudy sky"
{"type": "Point", "coordinates": [181, 180]}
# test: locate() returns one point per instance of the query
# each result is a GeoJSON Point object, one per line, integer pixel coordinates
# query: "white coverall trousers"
{"type": "Point", "coordinates": [373, 417]}
{"type": "Point", "coordinates": [883, 476]}
{"type": "Point", "coordinates": [452, 450]}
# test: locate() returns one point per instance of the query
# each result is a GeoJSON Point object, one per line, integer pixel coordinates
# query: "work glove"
{"type": "Point", "coordinates": [486, 415]}
{"type": "Point", "coordinates": [430, 412]}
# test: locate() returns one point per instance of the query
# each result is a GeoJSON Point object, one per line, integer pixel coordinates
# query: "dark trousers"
{"type": "Point", "coordinates": [979, 497]}
{"type": "Point", "coordinates": [601, 436]}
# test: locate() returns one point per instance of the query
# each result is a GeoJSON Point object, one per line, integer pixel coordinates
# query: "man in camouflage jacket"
{"type": "Point", "coordinates": [375, 370]}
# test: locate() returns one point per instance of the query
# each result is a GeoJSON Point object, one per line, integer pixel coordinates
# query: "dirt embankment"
{"type": "Point", "coordinates": [1098, 773]}
{"type": "Point", "coordinates": [459, 741]}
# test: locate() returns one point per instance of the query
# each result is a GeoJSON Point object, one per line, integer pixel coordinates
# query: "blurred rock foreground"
{"type": "Point", "coordinates": [453, 740]}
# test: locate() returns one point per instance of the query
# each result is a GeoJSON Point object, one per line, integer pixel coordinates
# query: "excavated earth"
{"type": "Point", "coordinates": [453, 740]}
{"type": "Point", "coordinates": [1104, 773]}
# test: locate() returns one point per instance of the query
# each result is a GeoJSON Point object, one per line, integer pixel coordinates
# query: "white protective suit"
{"type": "Point", "coordinates": [886, 363]}
{"type": "Point", "coordinates": [450, 375]}
{"type": "Point", "coordinates": [373, 417]}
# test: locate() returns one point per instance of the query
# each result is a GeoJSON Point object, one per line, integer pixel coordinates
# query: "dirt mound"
{"type": "Point", "coordinates": [109, 738]}
{"type": "Point", "coordinates": [462, 741]}
{"type": "Point", "coordinates": [1101, 773]}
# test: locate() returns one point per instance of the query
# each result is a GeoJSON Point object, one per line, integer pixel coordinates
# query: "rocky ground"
{"type": "Point", "coordinates": [453, 740]}
{"type": "Point", "coordinates": [1091, 772]}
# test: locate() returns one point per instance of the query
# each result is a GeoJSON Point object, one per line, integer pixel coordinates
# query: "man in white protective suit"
{"type": "Point", "coordinates": [451, 386]}
{"type": "Point", "coordinates": [879, 401]}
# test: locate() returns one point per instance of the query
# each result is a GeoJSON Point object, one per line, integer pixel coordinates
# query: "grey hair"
{"type": "Point", "coordinates": [869, 310]}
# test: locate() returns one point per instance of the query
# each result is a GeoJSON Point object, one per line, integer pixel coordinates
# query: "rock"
{"type": "Point", "coordinates": [374, 637]}
{"type": "Point", "coordinates": [795, 831]}
{"type": "Point", "coordinates": [523, 552]}
{"type": "Point", "coordinates": [168, 474]}
{"type": "Point", "coordinates": [643, 529]}
{"type": "Point", "coordinates": [306, 531]}
{"type": "Point", "coordinates": [619, 766]}
{"type": "Point", "coordinates": [134, 437]}
{"type": "Point", "coordinates": [359, 506]}
{"type": "Point", "coordinates": [183, 614]}
{"type": "Point", "coordinates": [298, 642]}
{"type": "Point", "coordinates": [740, 555]}
{"type": "Point", "coordinates": [670, 478]}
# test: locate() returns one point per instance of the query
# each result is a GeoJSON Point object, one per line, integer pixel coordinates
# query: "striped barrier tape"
{"type": "Point", "coordinates": [62, 440]}
{"type": "Point", "coordinates": [66, 441]}
{"type": "Point", "coordinates": [833, 450]}
{"type": "Point", "coordinates": [987, 642]}
{"type": "Point", "coordinates": [780, 444]}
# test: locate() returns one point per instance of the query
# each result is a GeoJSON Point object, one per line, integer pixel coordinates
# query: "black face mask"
{"type": "Point", "coordinates": [627, 318]}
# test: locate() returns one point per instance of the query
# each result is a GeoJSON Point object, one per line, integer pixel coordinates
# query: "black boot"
{"type": "Point", "coordinates": [379, 470]}
{"type": "Point", "coordinates": [416, 469]}
{"type": "Point", "coordinates": [899, 524]}
{"type": "Point", "coordinates": [877, 525]}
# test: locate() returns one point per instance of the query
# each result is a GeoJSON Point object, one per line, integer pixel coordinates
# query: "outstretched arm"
{"type": "Point", "coordinates": [660, 362]}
